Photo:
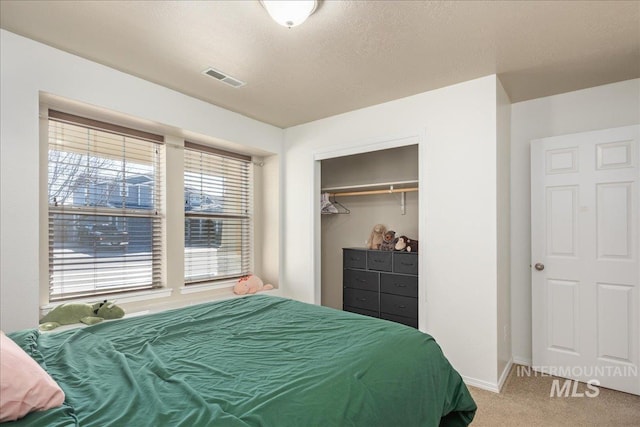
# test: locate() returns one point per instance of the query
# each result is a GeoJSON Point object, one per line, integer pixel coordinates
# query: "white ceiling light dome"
{"type": "Point", "coordinates": [290, 13]}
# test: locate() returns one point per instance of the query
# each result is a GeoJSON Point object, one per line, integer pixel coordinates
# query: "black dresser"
{"type": "Point", "coordinates": [381, 284]}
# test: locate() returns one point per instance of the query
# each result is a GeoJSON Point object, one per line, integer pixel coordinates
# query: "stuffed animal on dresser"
{"type": "Point", "coordinates": [389, 241]}
{"type": "Point", "coordinates": [377, 236]}
{"type": "Point", "coordinates": [405, 244]}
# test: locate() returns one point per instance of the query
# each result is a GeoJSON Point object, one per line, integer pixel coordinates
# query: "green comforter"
{"type": "Point", "coordinates": [254, 361]}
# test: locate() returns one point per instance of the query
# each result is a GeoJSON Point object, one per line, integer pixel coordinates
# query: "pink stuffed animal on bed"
{"type": "Point", "coordinates": [250, 285]}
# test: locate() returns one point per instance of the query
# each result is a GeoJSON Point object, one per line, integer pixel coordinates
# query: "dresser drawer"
{"type": "Point", "coordinates": [358, 298]}
{"type": "Point", "coordinates": [353, 258]}
{"type": "Point", "coordinates": [409, 321]}
{"type": "Point", "coordinates": [405, 262]}
{"type": "Point", "coordinates": [362, 311]}
{"type": "Point", "coordinates": [399, 305]}
{"type": "Point", "coordinates": [399, 284]}
{"type": "Point", "coordinates": [379, 260]}
{"type": "Point", "coordinates": [359, 279]}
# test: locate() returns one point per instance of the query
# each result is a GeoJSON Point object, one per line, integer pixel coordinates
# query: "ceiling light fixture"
{"type": "Point", "coordinates": [289, 13]}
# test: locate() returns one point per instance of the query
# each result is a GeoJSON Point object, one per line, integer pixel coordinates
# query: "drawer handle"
{"type": "Point", "coordinates": [402, 306]}
{"type": "Point", "coordinates": [378, 260]}
{"type": "Point", "coordinates": [361, 299]}
{"type": "Point", "coordinates": [406, 263]}
{"type": "Point", "coordinates": [361, 280]}
{"type": "Point", "coordinates": [400, 285]}
{"type": "Point", "coordinates": [355, 259]}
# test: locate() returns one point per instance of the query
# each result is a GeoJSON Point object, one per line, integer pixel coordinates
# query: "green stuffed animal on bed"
{"type": "Point", "coordinates": [89, 314]}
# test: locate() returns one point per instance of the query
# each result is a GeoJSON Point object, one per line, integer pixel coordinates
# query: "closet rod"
{"type": "Point", "coordinates": [368, 192]}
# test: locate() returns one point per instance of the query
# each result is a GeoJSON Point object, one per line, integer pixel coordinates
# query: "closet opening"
{"type": "Point", "coordinates": [359, 193]}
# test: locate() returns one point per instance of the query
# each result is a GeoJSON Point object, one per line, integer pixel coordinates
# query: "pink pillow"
{"type": "Point", "coordinates": [24, 385]}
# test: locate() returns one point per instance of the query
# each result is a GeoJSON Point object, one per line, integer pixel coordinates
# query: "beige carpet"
{"type": "Point", "coordinates": [525, 401]}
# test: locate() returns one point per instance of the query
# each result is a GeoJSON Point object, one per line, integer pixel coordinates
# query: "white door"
{"type": "Point", "coordinates": [585, 248]}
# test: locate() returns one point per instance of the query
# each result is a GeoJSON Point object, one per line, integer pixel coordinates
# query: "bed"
{"type": "Point", "coordinates": [253, 361]}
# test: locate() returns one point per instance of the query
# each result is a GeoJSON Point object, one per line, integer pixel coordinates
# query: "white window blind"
{"type": "Point", "coordinates": [104, 200]}
{"type": "Point", "coordinates": [218, 214]}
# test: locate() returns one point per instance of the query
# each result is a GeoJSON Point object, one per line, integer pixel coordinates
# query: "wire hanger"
{"type": "Point", "coordinates": [334, 207]}
{"type": "Point", "coordinates": [335, 202]}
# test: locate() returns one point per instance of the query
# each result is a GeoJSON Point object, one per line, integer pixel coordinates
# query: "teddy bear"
{"type": "Point", "coordinates": [377, 236]}
{"type": "Point", "coordinates": [89, 314]}
{"type": "Point", "coordinates": [250, 285]}
{"type": "Point", "coordinates": [405, 244]}
{"type": "Point", "coordinates": [389, 241]}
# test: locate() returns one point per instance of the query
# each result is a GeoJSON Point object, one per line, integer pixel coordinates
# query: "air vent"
{"type": "Point", "coordinates": [224, 78]}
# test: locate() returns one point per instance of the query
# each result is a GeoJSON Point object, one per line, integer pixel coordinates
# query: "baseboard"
{"type": "Point", "coordinates": [489, 386]}
{"type": "Point", "coordinates": [485, 385]}
{"type": "Point", "coordinates": [505, 374]}
{"type": "Point", "coordinates": [522, 361]}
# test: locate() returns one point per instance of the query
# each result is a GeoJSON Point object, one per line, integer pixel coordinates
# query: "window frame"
{"type": "Point", "coordinates": [249, 216]}
{"type": "Point", "coordinates": [155, 214]}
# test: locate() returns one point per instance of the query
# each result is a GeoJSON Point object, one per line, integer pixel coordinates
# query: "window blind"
{"type": "Point", "coordinates": [218, 214]}
{"type": "Point", "coordinates": [105, 228]}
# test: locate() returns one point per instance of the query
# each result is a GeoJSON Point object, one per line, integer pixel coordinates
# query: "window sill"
{"type": "Point", "coordinates": [120, 299]}
{"type": "Point", "coordinates": [226, 285]}
{"type": "Point", "coordinates": [204, 287]}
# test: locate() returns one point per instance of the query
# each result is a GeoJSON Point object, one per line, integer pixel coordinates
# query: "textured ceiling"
{"type": "Point", "coordinates": [349, 54]}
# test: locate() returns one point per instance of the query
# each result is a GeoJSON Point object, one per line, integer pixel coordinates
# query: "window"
{"type": "Point", "coordinates": [104, 200]}
{"type": "Point", "coordinates": [218, 214]}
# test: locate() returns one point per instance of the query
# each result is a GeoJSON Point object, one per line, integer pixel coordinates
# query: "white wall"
{"type": "Point", "coordinates": [601, 107]}
{"type": "Point", "coordinates": [28, 69]}
{"type": "Point", "coordinates": [504, 228]}
{"type": "Point", "coordinates": [458, 202]}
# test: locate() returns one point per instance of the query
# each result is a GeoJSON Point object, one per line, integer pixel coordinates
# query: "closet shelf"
{"type": "Point", "coordinates": [369, 192]}
{"type": "Point", "coordinates": [401, 187]}
{"type": "Point", "coordinates": [376, 188]}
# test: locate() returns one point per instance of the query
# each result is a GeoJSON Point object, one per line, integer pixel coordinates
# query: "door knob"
{"type": "Point", "coordinates": [539, 266]}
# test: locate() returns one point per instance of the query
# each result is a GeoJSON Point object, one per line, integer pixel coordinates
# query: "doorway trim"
{"type": "Point", "coordinates": [348, 148]}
